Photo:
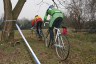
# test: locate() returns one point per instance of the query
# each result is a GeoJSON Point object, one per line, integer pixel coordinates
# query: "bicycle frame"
{"type": "Point", "coordinates": [58, 33]}
{"type": "Point", "coordinates": [40, 32]}
{"type": "Point", "coordinates": [61, 44]}
{"type": "Point", "coordinates": [57, 37]}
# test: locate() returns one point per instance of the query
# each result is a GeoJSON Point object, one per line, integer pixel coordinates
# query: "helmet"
{"type": "Point", "coordinates": [36, 15]}
{"type": "Point", "coordinates": [51, 6]}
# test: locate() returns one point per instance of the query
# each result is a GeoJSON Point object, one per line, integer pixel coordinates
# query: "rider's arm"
{"type": "Point", "coordinates": [33, 22]}
{"type": "Point", "coordinates": [45, 17]}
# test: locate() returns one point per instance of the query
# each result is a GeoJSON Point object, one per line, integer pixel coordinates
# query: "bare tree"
{"type": "Point", "coordinates": [92, 9]}
{"type": "Point", "coordinates": [9, 14]}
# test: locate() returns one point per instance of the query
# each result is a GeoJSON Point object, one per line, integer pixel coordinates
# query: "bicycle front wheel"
{"type": "Point", "coordinates": [42, 35]}
{"type": "Point", "coordinates": [62, 47]}
{"type": "Point", "coordinates": [47, 39]}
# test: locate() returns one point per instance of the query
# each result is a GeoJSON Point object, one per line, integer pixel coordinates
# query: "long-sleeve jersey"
{"type": "Point", "coordinates": [51, 12]}
{"type": "Point", "coordinates": [36, 20]}
{"type": "Point", "coordinates": [54, 13]}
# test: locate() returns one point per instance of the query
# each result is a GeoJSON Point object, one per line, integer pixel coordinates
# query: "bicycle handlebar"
{"type": "Point", "coordinates": [46, 23]}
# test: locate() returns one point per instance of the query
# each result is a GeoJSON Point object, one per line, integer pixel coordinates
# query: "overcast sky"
{"type": "Point", "coordinates": [30, 9]}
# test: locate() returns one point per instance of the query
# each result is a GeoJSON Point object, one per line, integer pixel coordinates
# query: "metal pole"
{"type": "Point", "coordinates": [33, 54]}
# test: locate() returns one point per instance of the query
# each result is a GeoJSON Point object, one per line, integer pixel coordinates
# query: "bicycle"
{"type": "Point", "coordinates": [33, 29]}
{"type": "Point", "coordinates": [61, 44]}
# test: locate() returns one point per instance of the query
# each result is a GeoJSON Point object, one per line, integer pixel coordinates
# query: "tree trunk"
{"type": "Point", "coordinates": [7, 28]}
{"type": "Point", "coordinates": [9, 14]}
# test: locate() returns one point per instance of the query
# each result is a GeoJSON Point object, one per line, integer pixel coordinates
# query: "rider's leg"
{"type": "Point", "coordinates": [51, 26]}
{"type": "Point", "coordinates": [51, 33]}
{"type": "Point", "coordinates": [40, 27]}
{"type": "Point", "coordinates": [51, 36]}
{"type": "Point", "coordinates": [57, 23]}
{"type": "Point", "coordinates": [37, 28]}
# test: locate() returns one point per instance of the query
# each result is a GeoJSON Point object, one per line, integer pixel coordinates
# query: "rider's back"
{"type": "Point", "coordinates": [38, 19]}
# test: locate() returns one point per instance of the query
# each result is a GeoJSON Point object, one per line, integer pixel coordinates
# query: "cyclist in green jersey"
{"type": "Point", "coordinates": [56, 17]}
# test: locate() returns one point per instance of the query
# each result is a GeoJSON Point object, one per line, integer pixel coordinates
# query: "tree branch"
{"type": "Point", "coordinates": [42, 2]}
{"type": "Point", "coordinates": [55, 3]}
{"type": "Point", "coordinates": [18, 8]}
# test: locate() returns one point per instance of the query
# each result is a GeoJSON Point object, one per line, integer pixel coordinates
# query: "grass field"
{"type": "Point", "coordinates": [82, 51]}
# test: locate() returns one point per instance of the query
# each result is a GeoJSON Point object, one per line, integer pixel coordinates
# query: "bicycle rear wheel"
{"type": "Point", "coordinates": [62, 47]}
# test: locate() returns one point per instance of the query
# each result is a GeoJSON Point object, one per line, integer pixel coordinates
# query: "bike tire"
{"type": "Point", "coordinates": [42, 35]}
{"type": "Point", "coordinates": [47, 39]}
{"type": "Point", "coordinates": [33, 31]}
{"type": "Point", "coordinates": [63, 51]}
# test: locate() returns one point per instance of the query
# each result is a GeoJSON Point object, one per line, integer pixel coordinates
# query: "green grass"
{"type": "Point", "coordinates": [82, 51]}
